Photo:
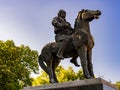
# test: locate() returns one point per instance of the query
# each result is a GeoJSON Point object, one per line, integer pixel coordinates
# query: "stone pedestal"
{"type": "Point", "coordinates": [88, 84]}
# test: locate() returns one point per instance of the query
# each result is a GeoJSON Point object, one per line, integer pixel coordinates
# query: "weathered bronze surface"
{"type": "Point", "coordinates": [63, 31]}
{"type": "Point", "coordinates": [80, 45]}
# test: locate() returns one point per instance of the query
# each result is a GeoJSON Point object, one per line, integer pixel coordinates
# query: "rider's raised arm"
{"type": "Point", "coordinates": [56, 23]}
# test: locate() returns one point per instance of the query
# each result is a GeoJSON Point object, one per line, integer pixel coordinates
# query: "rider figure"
{"type": "Point", "coordinates": [63, 30]}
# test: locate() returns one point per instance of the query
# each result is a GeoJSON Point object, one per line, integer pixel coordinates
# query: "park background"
{"type": "Point", "coordinates": [28, 22]}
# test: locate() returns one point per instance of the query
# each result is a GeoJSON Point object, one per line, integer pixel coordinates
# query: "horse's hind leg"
{"type": "Point", "coordinates": [82, 51]}
{"type": "Point", "coordinates": [90, 66]}
{"type": "Point", "coordinates": [48, 59]}
{"type": "Point", "coordinates": [52, 76]}
{"type": "Point", "coordinates": [45, 61]}
{"type": "Point", "coordinates": [55, 65]}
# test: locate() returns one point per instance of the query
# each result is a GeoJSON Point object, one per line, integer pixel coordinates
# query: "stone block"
{"type": "Point", "coordinates": [88, 84]}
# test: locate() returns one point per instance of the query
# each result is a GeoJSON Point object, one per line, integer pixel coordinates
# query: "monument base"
{"type": "Point", "coordinates": [88, 84]}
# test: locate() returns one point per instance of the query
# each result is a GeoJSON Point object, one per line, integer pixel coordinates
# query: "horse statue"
{"type": "Point", "coordinates": [80, 45]}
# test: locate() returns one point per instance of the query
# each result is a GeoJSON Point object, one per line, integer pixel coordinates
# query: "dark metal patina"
{"type": "Point", "coordinates": [80, 45]}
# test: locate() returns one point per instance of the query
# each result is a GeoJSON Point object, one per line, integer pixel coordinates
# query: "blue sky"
{"type": "Point", "coordinates": [28, 22]}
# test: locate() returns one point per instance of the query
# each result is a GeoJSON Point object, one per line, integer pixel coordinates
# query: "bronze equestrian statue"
{"type": "Point", "coordinates": [80, 44]}
{"type": "Point", "coordinates": [63, 30]}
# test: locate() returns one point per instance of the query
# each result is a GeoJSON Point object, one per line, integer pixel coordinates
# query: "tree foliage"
{"type": "Point", "coordinates": [118, 84]}
{"type": "Point", "coordinates": [16, 63]}
{"type": "Point", "coordinates": [63, 75]}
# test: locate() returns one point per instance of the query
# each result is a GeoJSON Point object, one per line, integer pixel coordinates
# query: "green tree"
{"type": "Point", "coordinates": [63, 75]}
{"type": "Point", "coordinates": [118, 84]}
{"type": "Point", "coordinates": [16, 64]}
{"type": "Point", "coordinates": [41, 80]}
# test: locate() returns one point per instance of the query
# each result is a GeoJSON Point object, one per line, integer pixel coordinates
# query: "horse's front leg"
{"type": "Point", "coordinates": [82, 52]}
{"type": "Point", "coordinates": [90, 65]}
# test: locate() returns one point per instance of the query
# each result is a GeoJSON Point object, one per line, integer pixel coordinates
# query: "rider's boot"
{"type": "Point", "coordinates": [74, 61]}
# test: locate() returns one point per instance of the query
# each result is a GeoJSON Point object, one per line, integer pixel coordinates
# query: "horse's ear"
{"type": "Point", "coordinates": [83, 9]}
{"type": "Point", "coordinates": [80, 13]}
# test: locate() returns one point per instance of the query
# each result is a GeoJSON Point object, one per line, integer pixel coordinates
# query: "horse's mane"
{"type": "Point", "coordinates": [77, 20]}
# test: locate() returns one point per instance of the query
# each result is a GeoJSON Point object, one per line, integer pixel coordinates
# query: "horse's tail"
{"type": "Point", "coordinates": [42, 64]}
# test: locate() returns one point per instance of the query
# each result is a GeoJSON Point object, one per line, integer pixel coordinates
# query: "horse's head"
{"type": "Point", "coordinates": [88, 15]}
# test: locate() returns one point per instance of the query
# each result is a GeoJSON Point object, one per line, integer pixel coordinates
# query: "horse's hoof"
{"type": "Point", "coordinates": [53, 81]}
{"type": "Point", "coordinates": [89, 77]}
